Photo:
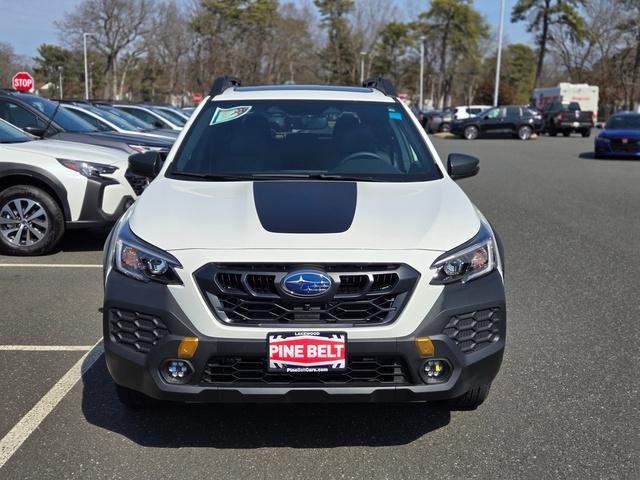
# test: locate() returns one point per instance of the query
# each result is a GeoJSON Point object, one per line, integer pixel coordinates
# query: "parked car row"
{"type": "Point", "coordinates": [65, 164]}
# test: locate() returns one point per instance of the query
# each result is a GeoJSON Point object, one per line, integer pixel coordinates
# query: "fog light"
{"type": "Point", "coordinates": [177, 371]}
{"type": "Point", "coordinates": [436, 370]}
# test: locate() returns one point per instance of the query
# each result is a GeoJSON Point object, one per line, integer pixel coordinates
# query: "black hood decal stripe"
{"type": "Point", "coordinates": [307, 206]}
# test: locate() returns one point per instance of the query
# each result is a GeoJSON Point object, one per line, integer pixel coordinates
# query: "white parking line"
{"type": "Point", "coordinates": [45, 348]}
{"type": "Point", "coordinates": [27, 424]}
{"type": "Point", "coordinates": [49, 265]}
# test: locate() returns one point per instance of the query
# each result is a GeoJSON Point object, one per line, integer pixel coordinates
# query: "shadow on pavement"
{"type": "Point", "coordinates": [257, 425]}
{"type": "Point", "coordinates": [592, 156]}
{"type": "Point", "coordinates": [84, 240]}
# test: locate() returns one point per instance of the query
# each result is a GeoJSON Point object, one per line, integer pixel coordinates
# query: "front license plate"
{"type": "Point", "coordinates": [576, 124]}
{"type": "Point", "coordinates": [307, 352]}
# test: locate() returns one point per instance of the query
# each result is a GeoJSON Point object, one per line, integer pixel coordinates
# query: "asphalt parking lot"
{"type": "Point", "coordinates": [565, 405]}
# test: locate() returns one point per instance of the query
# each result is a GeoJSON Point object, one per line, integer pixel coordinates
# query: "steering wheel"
{"type": "Point", "coordinates": [362, 154]}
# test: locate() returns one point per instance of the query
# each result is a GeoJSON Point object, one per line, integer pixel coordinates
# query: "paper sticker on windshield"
{"type": "Point", "coordinates": [222, 115]}
{"type": "Point", "coordinates": [395, 115]}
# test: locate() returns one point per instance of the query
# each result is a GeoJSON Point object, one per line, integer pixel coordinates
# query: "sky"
{"type": "Point", "coordinates": [29, 23]}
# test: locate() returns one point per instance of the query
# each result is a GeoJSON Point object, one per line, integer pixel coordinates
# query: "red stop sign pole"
{"type": "Point", "coordinates": [22, 81]}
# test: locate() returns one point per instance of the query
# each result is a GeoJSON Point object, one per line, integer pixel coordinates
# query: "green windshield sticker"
{"type": "Point", "coordinates": [222, 115]}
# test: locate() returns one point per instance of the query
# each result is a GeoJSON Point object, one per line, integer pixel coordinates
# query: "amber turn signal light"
{"type": "Point", "coordinates": [188, 347]}
{"type": "Point", "coordinates": [425, 347]}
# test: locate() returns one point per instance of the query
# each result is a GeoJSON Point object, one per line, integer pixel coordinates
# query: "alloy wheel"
{"type": "Point", "coordinates": [23, 222]}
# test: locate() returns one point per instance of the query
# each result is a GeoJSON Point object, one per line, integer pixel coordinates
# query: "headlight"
{"type": "Point", "coordinates": [137, 259]}
{"type": "Point", "coordinates": [87, 169]}
{"type": "Point", "coordinates": [473, 259]}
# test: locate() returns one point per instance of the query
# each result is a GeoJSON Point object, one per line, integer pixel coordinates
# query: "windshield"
{"type": "Point", "coordinates": [69, 122]}
{"type": "Point", "coordinates": [11, 134]}
{"type": "Point", "coordinates": [369, 141]}
{"type": "Point", "coordinates": [127, 117]}
{"type": "Point", "coordinates": [172, 117]}
{"type": "Point", "coordinates": [623, 122]}
{"type": "Point", "coordinates": [116, 120]}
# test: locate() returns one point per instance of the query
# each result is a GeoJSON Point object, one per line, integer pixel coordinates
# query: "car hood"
{"type": "Point", "coordinates": [136, 139]}
{"type": "Point", "coordinates": [620, 133]}
{"type": "Point", "coordinates": [177, 215]}
{"type": "Point", "coordinates": [73, 151]}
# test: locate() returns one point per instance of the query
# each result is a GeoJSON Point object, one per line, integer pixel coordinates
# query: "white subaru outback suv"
{"type": "Point", "coordinates": [48, 186]}
{"type": "Point", "coordinates": [303, 243]}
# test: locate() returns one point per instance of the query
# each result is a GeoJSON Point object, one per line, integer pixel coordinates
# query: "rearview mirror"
{"type": "Point", "coordinates": [460, 165]}
{"type": "Point", "coordinates": [37, 131]}
{"type": "Point", "coordinates": [147, 164]}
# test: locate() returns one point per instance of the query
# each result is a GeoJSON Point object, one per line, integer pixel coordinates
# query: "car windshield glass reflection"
{"type": "Point", "coordinates": [624, 122]}
{"type": "Point", "coordinates": [368, 141]}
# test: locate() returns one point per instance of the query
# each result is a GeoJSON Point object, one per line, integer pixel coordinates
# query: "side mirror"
{"type": "Point", "coordinates": [460, 165]}
{"type": "Point", "coordinates": [147, 164]}
{"type": "Point", "coordinates": [37, 131]}
{"type": "Point", "coordinates": [158, 124]}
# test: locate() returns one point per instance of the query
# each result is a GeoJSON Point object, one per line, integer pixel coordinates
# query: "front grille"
{"type": "Point", "coordinates": [138, 331]}
{"type": "Point", "coordinates": [252, 371]}
{"type": "Point", "coordinates": [137, 182]}
{"type": "Point", "coordinates": [630, 146]}
{"type": "Point", "coordinates": [474, 330]}
{"type": "Point", "coordinates": [251, 294]}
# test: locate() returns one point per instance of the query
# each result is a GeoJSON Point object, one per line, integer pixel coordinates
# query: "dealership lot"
{"type": "Point", "coordinates": [564, 405]}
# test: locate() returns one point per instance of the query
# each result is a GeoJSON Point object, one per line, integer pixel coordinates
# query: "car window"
{"type": "Point", "coordinates": [513, 112]}
{"type": "Point", "coordinates": [19, 116]}
{"type": "Point", "coordinates": [144, 116]}
{"type": "Point", "coordinates": [373, 141]}
{"type": "Point", "coordinates": [623, 122]}
{"type": "Point", "coordinates": [493, 113]}
{"type": "Point", "coordinates": [171, 116]}
{"type": "Point", "coordinates": [11, 134]}
{"type": "Point", "coordinates": [127, 117]}
{"type": "Point", "coordinates": [69, 121]}
{"type": "Point", "coordinates": [93, 121]}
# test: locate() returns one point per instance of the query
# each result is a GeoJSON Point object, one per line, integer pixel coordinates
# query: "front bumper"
{"type": "Point", "coordinates": [139, 369]}
{"type": "Point", "coordinates": [93, 212]}
{"type": "Point", "coordinates": [606, 149]}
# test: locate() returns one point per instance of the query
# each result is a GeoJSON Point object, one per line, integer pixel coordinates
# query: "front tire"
{"type": "Point", "coordinates": [31, 221]}
{"type": "Point", "coordinates": [524, 132]}
{"type": "Point", "coordinates": [472, 399]}
{"type": "Point", "coordinates": [445, 127]}
{"type": "Point", "coordinates": [471, 132]}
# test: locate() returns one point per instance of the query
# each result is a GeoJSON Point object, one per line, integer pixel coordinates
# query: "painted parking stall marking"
{"type": "Point", "coordinates": [12, 441]}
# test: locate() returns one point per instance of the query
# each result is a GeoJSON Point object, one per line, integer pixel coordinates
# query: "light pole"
{"type": "Point", "coordinates": [86, 66]}
{"type": "Point", "coordinates": [60, 70]}
{"type": "Point", "coordinates": [421, 72]}
{"type": "Point", "coordinates": [362, 55]}
{"type": "Point", "coordinates": [500, 30]}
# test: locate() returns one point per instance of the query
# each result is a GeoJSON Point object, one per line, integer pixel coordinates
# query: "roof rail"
{"type": "Point", "coordinates": [220, 84]}
{"type": "Point", "coordinates": [383, 84]}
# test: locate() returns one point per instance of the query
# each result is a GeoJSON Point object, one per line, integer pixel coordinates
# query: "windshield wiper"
{"type": "Point", "coordinates": [275, 176]}
{"type": "Point", "coordinates": [211, 176]}
{"type": "Point", "coordinates": [312, 176]}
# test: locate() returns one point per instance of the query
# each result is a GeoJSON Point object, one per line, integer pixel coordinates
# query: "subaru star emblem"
{"type": "Point", "coordinates": [306, 284]}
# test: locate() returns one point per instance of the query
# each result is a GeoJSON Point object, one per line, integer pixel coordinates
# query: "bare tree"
{"type": "Point", "coordinates": [117, 27]}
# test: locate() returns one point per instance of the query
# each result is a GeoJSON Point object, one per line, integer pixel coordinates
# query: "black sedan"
{"type": "Point", "coordinates": [511, 120]}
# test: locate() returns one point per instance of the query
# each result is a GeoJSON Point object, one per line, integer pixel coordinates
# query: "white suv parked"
{"type": "Point", "coordinates": [48, 186]}
{"type": "Point", "coordinates": [303, 243]}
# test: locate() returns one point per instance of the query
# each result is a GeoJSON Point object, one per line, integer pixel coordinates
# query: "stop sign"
{"type": "Point", "coordinates": [197, 98]}
{"type": "Point", "coordinates": [22, 81]}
